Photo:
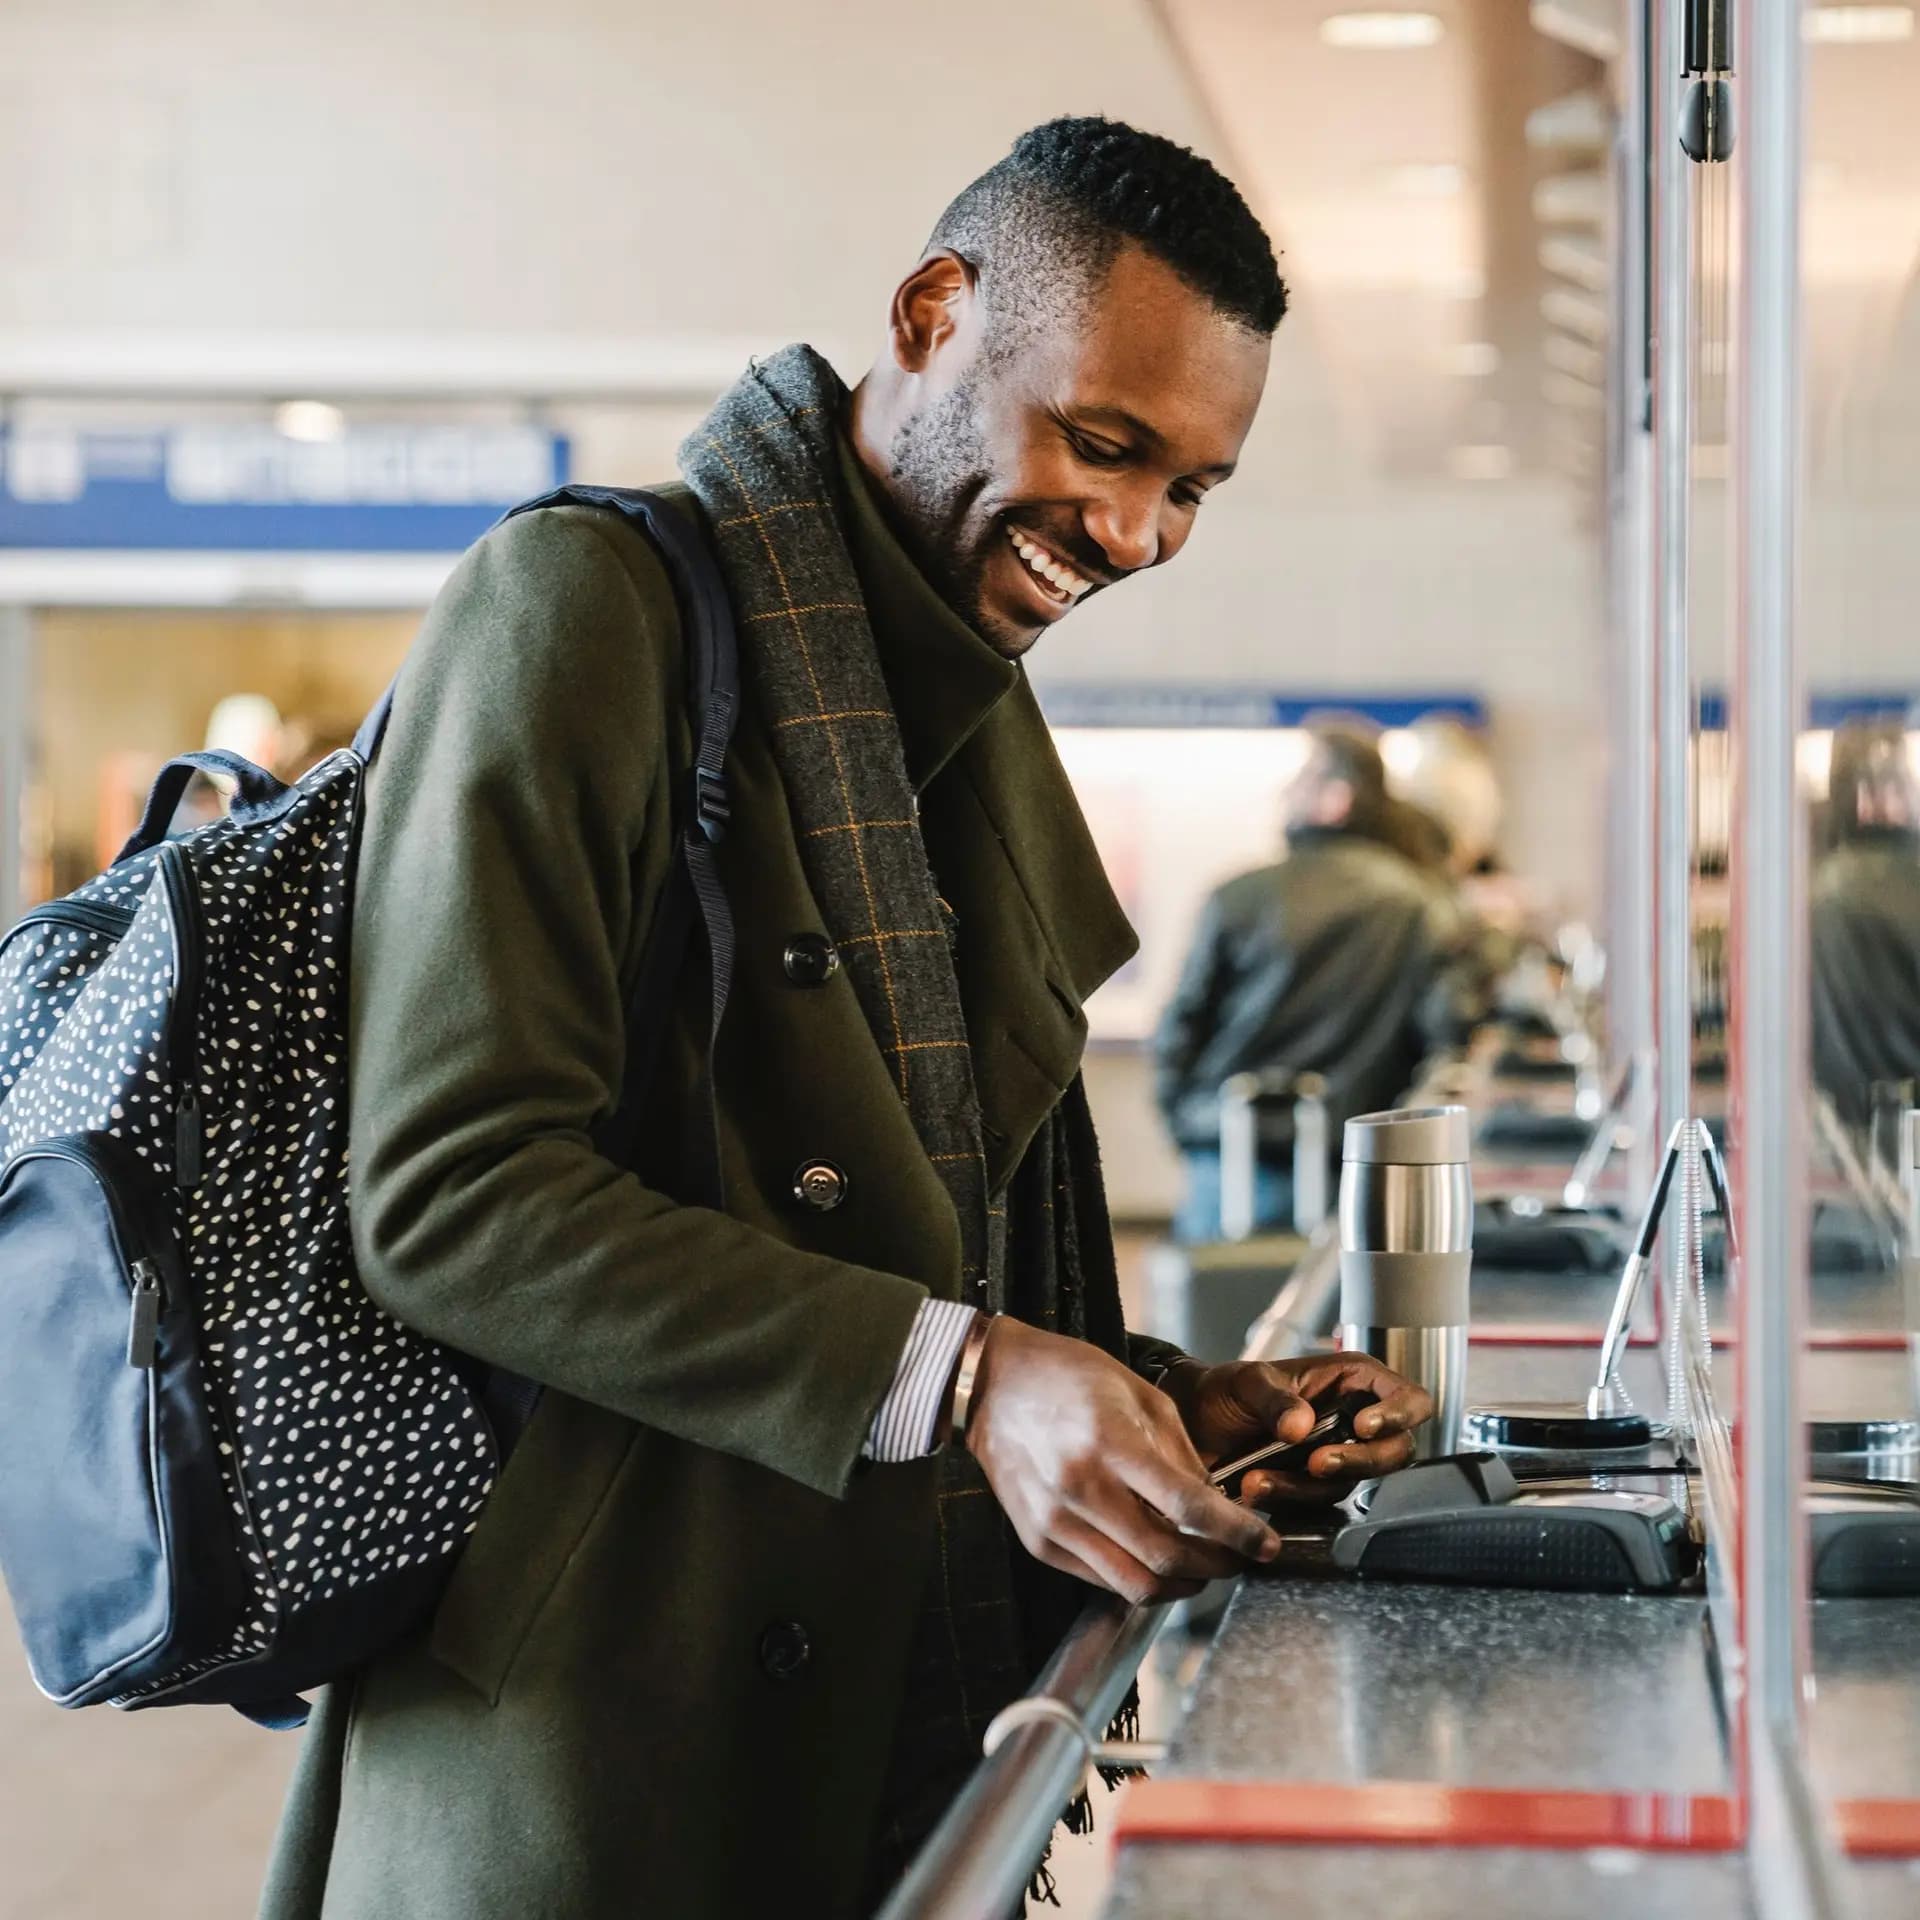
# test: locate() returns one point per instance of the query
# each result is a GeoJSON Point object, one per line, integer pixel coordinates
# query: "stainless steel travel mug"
{"type": "Point", "coordinates": [1406, 1254]}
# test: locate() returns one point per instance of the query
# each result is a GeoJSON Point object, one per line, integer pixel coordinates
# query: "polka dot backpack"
{"type": "Point", "coordinates": [225, 1474]}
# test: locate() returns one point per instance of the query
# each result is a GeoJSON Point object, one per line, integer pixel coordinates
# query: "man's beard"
{"type": "Point", "coordinates": [937, 471]}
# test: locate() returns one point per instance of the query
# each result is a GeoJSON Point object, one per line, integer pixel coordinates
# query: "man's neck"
{"type": "Point", "coordinates": [871, 434]}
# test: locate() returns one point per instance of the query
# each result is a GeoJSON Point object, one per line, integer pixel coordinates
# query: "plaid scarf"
{"type": "Point", "coordinates": [764, 469]}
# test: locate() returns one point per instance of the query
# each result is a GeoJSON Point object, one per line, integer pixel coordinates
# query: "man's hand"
{"type": "Point", "coordinates": [1230, 1410]}
{"type": "Point", "coordinates": [1097, 1474]}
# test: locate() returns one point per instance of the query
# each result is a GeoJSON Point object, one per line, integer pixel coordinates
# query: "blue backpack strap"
{"type": "Point", "coordinates": [259, 793]}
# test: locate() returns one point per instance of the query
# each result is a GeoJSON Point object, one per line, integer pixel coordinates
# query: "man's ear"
{"type": "Point", "coordinates": [930, 306]}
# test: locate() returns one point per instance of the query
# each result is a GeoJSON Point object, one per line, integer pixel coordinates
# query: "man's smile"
{"type": "Point", "coordinates": [1066, 582]}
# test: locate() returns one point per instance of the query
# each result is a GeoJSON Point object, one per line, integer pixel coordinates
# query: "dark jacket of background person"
{"type": "Point", "coordinates": [1345, 960]}
{"type": "Point", "coordinates": [665, 1676]}
{"type": "Point", "coordinates": [1864, 908]}
{"type": "Point", "coordinates": [1866, 966]}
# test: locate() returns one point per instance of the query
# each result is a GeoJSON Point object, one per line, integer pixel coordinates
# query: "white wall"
{"type": "Point", "coordinates": [592, 167]}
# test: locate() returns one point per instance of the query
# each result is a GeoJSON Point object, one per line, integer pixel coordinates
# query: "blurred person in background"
{"type": "Point", "coordinates": [1865, 912]}
{"type": "Point", "coordinates": [1445, 771]}
{"type": "Point", "coordinates": [749, 1591]}
{"type": "Point", "coordinates": [1348, 959]}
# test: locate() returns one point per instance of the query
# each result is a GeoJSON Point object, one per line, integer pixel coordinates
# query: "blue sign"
{"type": "Point", "coordinates": [247, 488]}
{"type": "Point", "coordinates": [1826, 711]}
{"type": "Point", "coordinates": [1116, 704]}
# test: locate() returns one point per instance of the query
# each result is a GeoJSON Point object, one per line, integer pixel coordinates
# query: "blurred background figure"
{"type": "Point", "coordinates": [1865, 901]}
{"type": "Point", "coordinates": [1350, 959]}
{"type": "Point", "coordinates": [1444, 772]}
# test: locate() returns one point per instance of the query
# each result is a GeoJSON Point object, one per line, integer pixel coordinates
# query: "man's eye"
{"type": "Point", "coordinates": [1189, 496]}
{"type": "Point", "coordinates": [1098, 453]}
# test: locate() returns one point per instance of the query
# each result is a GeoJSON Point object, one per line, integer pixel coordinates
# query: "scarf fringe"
{"type": "Point", "coordinates": [1078, 1818]}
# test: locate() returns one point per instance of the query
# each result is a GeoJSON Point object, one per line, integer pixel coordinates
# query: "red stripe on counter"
{"type": "Point", "coordinates": [1879, 1829]}
{"type": "Point", "coordinates": [1524, 1333]}
{"type": "Point", "coordinates": [1548, 1333]}
{"type": "Point", "coordinates": [1409, 1814]}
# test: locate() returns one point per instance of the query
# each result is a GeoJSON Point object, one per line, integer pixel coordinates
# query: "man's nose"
{"type": "Point", "coordinates": [1126, 528]}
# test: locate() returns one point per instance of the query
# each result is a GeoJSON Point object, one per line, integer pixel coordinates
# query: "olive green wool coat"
{"type": "Point", "coordinates": [664, 1678]}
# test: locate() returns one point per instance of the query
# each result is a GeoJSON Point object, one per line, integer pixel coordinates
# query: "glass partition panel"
{"type": "Point", "coordinates": [1859, 755]}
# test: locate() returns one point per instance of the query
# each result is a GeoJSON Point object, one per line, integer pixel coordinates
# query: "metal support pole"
{"type": "Point", "coordinates": [1671, 265]}
{"type": "Point", "coordinates": [1311, 1150]}
{"type": "Point", "coordinates": [1239, 1156]}
{"type": "Point", "coordinates": [16, 742]}
{"type": "Point", "coordinates": [1630, 961]}
{"type": "Point", "coordinates": [1793, 1868]}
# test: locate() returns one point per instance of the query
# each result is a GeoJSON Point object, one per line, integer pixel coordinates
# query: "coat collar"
{"type": "Point", "coordinates": [943, 677]}
{"type": "Point", "coordinates": [951, 691]}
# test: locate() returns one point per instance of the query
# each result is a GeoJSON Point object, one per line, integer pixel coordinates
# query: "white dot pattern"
{"type": "Point", "coordinates": [351, 1447]}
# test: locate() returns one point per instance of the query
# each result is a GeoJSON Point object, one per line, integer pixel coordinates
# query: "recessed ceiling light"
{"type": "Point", "coordinates": [1492, 462]}
{"type": "Point", "coordinates": [1857, 26]}
{"type": "Point", "coordinates": [1427, 180]}
{"type": "Point", "coordinates": [311, 420]}
{"type": "Point", "coordinates": [1381, 32]}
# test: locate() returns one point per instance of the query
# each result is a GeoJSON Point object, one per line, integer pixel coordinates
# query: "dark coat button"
{"type": "Point", "coordinates": [784, 1649]}
{"type": "Point", "coordinates": [820, 1185]}
{"type": "Point", "coordinates": [811, 960]}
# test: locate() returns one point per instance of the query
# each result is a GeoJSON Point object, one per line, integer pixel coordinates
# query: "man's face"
{"type": "Point", "coordinates": [1029, 480]}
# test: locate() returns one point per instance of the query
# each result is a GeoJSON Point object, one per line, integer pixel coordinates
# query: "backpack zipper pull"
{"type": "Point", "coordinates": [143, 1334]}
{"type": "Point", "coordinates": [186, 1139]}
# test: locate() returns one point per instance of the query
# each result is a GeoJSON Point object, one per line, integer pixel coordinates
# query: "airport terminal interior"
{"type": "Point", "coordinates": [1525, 749]}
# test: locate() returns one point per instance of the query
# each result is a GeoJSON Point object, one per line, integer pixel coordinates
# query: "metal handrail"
{"type": "Point", "coordinates": [981, 1856]}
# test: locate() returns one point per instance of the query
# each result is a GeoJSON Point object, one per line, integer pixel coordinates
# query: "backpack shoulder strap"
{"type": "Point", "coordinates": [704, 814]}
{"type": "Point", "coordinates": [704, 810]}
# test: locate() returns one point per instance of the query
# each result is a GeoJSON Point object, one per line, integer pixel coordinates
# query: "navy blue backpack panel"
{"type": "Point", "coordinates": [226, 1475]}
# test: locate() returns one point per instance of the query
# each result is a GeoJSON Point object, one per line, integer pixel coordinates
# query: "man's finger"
{"type": "Point", "coordinates": [1137, 1528]}
{"type": "Point", "coordinates": [1115, 1568]}
{"type": "Point", "coordinates": [1174, 1442]}
{"type": "Point", "coordinates": [1361, 1460]}
{"type": "Point", "coordinates": [1272, 1403]}
{"type": "Point", "coordinates": [1260, 1489]}
{"type": "Point", "coordinates": [1192, 1507]}
{"type": "Point", "coordinates": [1061, 1561]}
{"type": "Point", "coordinates": [1400, 1406]}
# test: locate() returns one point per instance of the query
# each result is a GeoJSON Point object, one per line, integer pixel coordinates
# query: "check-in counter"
{"type": "Point", "coordinates": [1338, 1747]}
{"type": "Point", "coordinates": [1399, 1747]}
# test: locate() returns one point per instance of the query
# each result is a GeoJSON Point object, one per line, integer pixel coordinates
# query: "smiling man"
{"type": "Point", "coordinates": [821, 1473]}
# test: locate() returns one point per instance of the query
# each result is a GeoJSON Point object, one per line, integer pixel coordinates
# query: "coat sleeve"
{"type": "Point", "coordinates": [516, 836]}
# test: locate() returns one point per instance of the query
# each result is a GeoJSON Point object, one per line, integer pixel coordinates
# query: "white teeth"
{"type": "Point", "coordinates": [1059, 575]}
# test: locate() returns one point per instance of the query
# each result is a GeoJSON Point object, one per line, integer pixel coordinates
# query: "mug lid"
{"type": "Point", "coordinates": [1410, 1137]}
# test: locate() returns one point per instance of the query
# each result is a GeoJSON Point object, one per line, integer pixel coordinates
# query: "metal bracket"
{"type": "Point", "coordinates": [1042, 1710]}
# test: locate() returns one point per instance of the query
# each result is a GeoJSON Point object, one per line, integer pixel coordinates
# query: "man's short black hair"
{"type": "Point", "coordinates": [1072, 193]}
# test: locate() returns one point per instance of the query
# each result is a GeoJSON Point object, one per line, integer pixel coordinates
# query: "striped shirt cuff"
{"type": "Point", "coordinates": [909, 1416]}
